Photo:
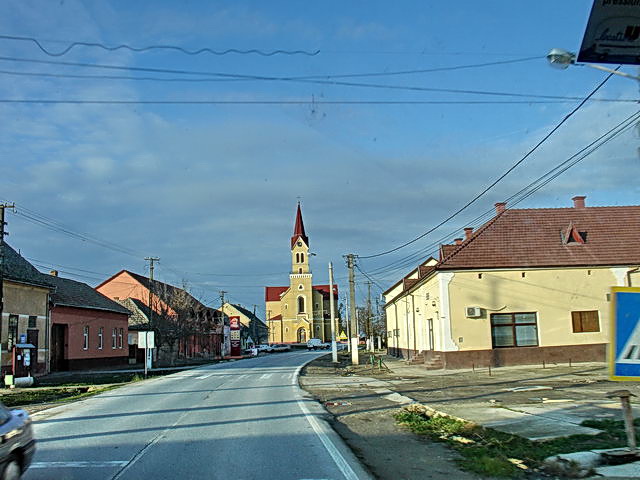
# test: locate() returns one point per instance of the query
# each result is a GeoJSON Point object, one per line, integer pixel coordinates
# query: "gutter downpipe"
{"type": "Point", "coordinates": [406, 317]}
{"type": "Point", "coordinates": [413, 316]}
{"type": "Point", "coordinates": [395, 331]}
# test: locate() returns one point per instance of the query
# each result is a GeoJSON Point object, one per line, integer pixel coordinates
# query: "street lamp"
{"type": "Point", "coordinates": [561, 59]}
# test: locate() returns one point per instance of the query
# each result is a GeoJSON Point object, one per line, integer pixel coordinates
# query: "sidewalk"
{"type": "Point", "coordinates": [530, 401]}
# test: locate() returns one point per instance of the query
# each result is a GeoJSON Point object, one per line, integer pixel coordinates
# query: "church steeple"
{"type": "Point", "coordinates": [298, 229]}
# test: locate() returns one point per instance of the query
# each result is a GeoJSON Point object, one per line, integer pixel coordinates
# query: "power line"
{"type": "Point", "coordinates": [495, 182]}
{"type": "Point", "coordinates": [301, 80]}
{"type": "Point", "coordinates": [286, 102]}
{"type": "Point", "coordinates": [622, 127]}
{"type": "Point", "coordinates": [176, 48]}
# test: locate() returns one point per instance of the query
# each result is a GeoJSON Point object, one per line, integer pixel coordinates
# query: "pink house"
{"type": "Point", "coordinates": [88, 330]}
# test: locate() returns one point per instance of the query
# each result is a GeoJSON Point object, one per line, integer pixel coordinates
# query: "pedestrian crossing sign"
{"type": "Point", "coordinates": [624, 348]}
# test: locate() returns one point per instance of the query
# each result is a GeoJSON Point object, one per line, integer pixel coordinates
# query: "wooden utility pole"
{"type": "Point", "coordinates": [353, 334]}
{"type": "Point", "coordinates": [3, 206]}
{"type": "Point", "coordinates": [151, 261]}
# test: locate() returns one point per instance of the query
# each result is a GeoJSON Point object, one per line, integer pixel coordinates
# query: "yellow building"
{"type": "Point", "coordinates": [529, 286]}
{"type": "Point", "coordinates": [300, 310]}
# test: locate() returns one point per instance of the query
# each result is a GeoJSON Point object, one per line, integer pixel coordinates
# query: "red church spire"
{"type": "Point", "coordinates": [298, 229]}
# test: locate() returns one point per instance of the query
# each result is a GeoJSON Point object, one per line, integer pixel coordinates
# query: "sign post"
{"type": "Point", "coordinates": [147, 340]}
{"type": "Point", "coordinates": [624, 348]}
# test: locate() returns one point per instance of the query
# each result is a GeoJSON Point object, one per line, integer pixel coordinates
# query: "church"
{"type": "Point", "coordinates": [300, 310]}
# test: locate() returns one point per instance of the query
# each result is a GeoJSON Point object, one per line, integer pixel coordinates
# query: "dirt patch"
{"type": "Point", "coordinates": [364, 419]}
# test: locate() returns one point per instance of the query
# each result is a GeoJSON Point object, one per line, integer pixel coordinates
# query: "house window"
{"type": "Point", "coordinates": [100, 338]}
{"type": "Point", "coordinates": [113, 338]}
{"type": "Point", "coordinates": [85, 337]}
{"type": "Point", "coordinates": [586, 321]}
{"type": "Point", "coordinates": [120, 335]}
{"type": "Point", "coordinates": [32, 321]}
{"type": "Point", "coordinates": [12, 333]}
{"type": "Point", "coordinates": [514, 330]}
{"type": "Point", "coordinates": [300, 304]}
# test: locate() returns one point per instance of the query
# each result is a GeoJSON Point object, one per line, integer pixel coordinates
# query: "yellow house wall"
{"type": "Point", "coordinates": [551, 294]}
{"type": "Point", "coordinates": [25, 300]}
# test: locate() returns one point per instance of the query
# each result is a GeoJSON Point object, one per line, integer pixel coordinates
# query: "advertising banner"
{"type": "Point", "coordinates": [234, 327]}
{"type": "Point", "coordinates": [612, 34]}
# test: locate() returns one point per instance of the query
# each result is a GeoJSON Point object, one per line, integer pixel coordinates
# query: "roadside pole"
{"type": "Point", "coordinates": [146, 334]}
{"type": "Point", "coordinates": [2, 234]}
{"type": "Point", "coordinates": [334, 346]}
{"type": "Point", "coordinates": [355, 359]}
{"type": "Point", "coordinates": [348, 325]}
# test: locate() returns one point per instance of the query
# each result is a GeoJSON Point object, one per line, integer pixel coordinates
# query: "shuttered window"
{"type": "Point", "coordinates": [585, 321]}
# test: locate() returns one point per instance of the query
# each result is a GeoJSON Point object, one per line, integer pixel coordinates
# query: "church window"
{"type": "Point", "coordinates": [300, 304]}
{"type": "Point", "coordinates": [302, 258]}
{"type": "Point", "coordinates": [299, 270]}
{"type": "Point", "coordinates": [300, 287]}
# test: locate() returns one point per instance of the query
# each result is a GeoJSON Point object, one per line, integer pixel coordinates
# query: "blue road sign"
{"type": "Point", "coordinates": [624, 351]}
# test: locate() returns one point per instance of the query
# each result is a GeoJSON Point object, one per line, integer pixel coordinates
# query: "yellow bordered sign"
{"type": "Point", "coordinates": [624, 344]}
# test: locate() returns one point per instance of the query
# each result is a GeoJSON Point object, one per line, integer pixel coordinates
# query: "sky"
{"type": "Point", "coordinates": [202, 158]}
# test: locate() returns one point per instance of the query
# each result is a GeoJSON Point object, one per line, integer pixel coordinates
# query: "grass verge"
{"type": "Point", "coordinates": [492, 453]}
{"type": "Point", "coordinates": [26, 396]}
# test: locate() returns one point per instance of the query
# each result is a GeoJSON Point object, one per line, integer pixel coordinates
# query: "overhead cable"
{"type": "Point", "coordinates": [176, 48]}
{"type": "Point", "coordinates": [496, 181]}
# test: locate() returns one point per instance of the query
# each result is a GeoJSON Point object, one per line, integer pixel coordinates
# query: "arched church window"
{"type": "Point", "coordinates": [302, 258]}
{"type": "Point", "coordinates": [299, 270]}
{"type": "Point", "coordinates": [297, 258]}
{"type": "Point", "coordinates": [300, 304]}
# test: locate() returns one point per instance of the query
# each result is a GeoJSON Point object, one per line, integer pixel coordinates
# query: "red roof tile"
{"type": "Point", "coordinates": [534, 238]}
{"type": "Point", "coordinates": [272, 294]}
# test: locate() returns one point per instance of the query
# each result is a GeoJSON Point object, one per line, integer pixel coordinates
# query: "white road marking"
{"type": "Point", "coordinates": [320, 430]}
{"type": "Point", "coordinates": [265, 375]}
{"type": "Point", "coordinates": [201, 377]}
{"type": "Point", "coordinates": [107, 464]}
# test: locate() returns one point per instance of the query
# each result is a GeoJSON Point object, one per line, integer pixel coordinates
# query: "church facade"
{"type": "Point", "coordinates": [300, 310]}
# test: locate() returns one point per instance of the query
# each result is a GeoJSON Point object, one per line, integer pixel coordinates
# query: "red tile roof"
{"type": "Point", "coordinates": [534, 238]}
{"type": "Point", "coordinates": [272, 294]}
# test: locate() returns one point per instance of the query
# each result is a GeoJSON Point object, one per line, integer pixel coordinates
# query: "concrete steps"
{"type": "Point", "coordinates": [434, 363]}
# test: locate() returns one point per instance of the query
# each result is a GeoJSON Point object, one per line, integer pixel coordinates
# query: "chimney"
{"type": "Point", "coordinates": [500, 207]}
{"type": "Point", "coordinates": [458, 241]}
{"type": "Point", "coordinates": [468, 231]}
{"type": "Point", "coordinates": [578, 201]}
{"type": "Point", "coordinates": [53, 273]}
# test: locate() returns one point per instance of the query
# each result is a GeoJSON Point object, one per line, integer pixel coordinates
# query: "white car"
{"type": "Point", "coordinates": [264, 348]}
{"type": "Point", "coordinates": [316, 343]}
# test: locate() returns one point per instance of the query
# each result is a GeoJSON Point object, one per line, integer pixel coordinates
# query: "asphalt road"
{"type": "Point", "coordinates": [238, 420]}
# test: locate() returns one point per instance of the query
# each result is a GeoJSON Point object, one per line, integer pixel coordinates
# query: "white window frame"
{"type": "Point", "coordinates": [114, 334]}
{"type": "Point", "coordinates": [85, 337]}
{"type": "Point", "coordinates": [100, 338]}
{"type": "Point", "coordinates": [120, 335]}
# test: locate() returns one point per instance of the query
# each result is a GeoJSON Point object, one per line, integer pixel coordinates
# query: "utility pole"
{"type": "Point", "coordinates": [151, 261]}
{"type": "Point", "coordinates": [224, 344]}
{"type": "Point", "coordinates": [354, 334]}
{"type": "Point", "coordinates": [346, 300]}
{"type": "Point", "coordinates": [369, 323]}
{"type": "Point", "coordinates": [334, 347]}
{"type": "Point", "coordinates": [2, 234]}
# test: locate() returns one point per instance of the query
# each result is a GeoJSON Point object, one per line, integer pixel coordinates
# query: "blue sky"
{"type": "Point", "coordinates": [212, 188]}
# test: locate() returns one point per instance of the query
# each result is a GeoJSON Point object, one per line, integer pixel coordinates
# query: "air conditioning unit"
{"type": "Point", "coordinates": [474, 312]}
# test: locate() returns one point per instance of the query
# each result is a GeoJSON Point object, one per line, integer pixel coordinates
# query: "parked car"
{"type": "Point", "coordinates": [264, 348]}
{"type": "Point", "coordinates": [18, 445]}
{"type": "Point", "coordinates": [281, 347]}
{"type": "Point", "coordinates": [317, 344]}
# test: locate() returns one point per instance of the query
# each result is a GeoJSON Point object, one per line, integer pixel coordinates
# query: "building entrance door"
{"type": "Point", "coordinates": [430, 333]}
{"type": "Point", "coordinates": [302, 335]}
{"type": "Point", "coordinates": [58, 347]}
